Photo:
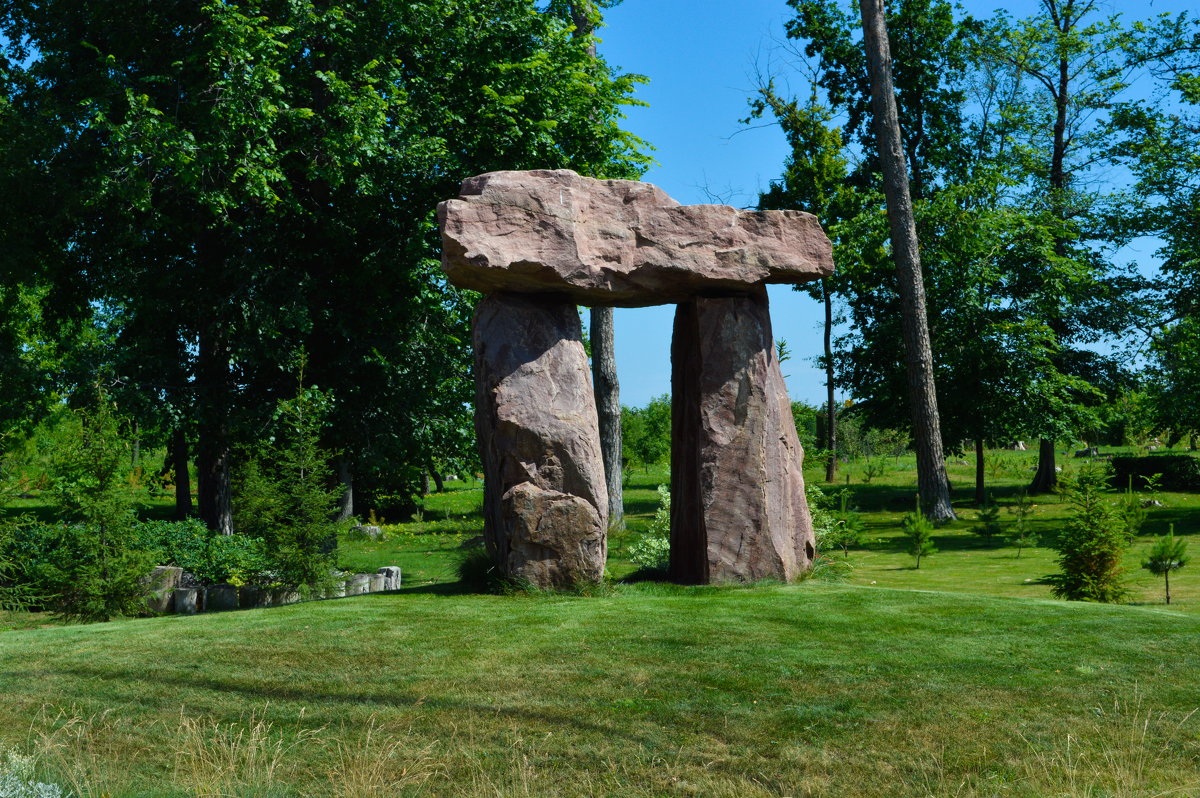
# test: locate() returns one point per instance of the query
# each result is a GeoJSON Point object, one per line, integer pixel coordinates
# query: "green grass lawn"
{"type": "Point", "coordinates": [961, 678]}
{"type": "Point", "coordinates": [812, 689]}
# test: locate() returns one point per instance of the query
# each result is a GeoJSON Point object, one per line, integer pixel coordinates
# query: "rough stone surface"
{"type": "Point", "coordinates": [160, 586]}
{"type": "Point", "coordinates": [617, 242]}
{"type": "Point", "coordinates": [366, 532]}
{"type": "Point", "coordinates": [358, 584]}
{"type": "Point", "coordinates": [336, 589]}
{"type": "Point", "coordinates": [251, 597]}
{"type": "Point", "coordinates": [545, 498]}
{"type": "Point", "coordinates": [391, 576]}
{"type": "Point", "coordinates": [187, 600]}
{"type": "Point", "coordinates": [738, 507]}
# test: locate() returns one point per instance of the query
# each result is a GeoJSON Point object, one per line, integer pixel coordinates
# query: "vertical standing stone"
{"type": "Point", "coordinates": [545, 498]}
{"type": "Point", "coordinates": [738, 506]}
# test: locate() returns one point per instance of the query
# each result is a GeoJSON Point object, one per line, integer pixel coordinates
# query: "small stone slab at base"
{"type": "Point", "coordinates": [160, 586]}
{"type": "Point", "coordinates": [187, 600]}
{"type": "Point", "coordinates": [251, 597]}
{"type": "Point", "coordinates": [366, 532]}
{"type": "Point", "coordinates": [281, 596]}
{"type": "Point", "coordinates": [220, 598]}
{"type": "Point", "coordinates": [391, 576]}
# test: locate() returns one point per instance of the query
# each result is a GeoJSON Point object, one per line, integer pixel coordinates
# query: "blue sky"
{"type": "Point", "coordinates": [701, 57]}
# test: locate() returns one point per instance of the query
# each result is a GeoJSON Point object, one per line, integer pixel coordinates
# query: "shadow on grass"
{"type": "Point", "coordinates": [399, 700]}
{"type": "Point", "coordinates": [645, 574]}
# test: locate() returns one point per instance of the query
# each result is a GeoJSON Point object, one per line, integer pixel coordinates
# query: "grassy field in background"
{"type": "Point", "coordinates": [428, 551]}
{"type": "Point", "coordinates": [962, 678]}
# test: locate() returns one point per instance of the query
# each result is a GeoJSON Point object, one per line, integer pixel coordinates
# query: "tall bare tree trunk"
{"type": "Point", "coordinates": [980, 498]}
{"type": "Point", "coordinates": [608, 408]}
{"type": "Point", "coordinates": [1046, 476]}
{"type": "Point", "coordinates": [931, 462]}
{"type": "Point", "coordinates": [183, 478]}
{"type": "Point", "coordinates": [830, 408]}
{"type": "Point", "coordinates": [604, 361]}
{"type": "Point", "coordinates": [346, 481]}
{"type": "Point", "coordinates": [439, 482]}
{"type": "Point", "coordinates": [213, 454]}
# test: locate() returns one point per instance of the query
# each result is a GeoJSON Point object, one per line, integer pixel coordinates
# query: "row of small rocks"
{"type": "Point", "coordinates": [167, 593]}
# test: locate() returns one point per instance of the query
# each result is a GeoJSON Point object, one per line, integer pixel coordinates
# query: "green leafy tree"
{"type": "Point", "coordinates": [1072, 68]}
{"type": "Point", "coordinates": [238, 182]}
{"type": "Point", "coordinates": [1010, 322]}
{"type": "Point", "coordinates": [1158, 139]}
{"type": "Point", "coordinates": [1092, 543]}
{"type": "Point", "coordinates": [1168, 554]}
{"type": "Point", "coordinates": [647, 431]}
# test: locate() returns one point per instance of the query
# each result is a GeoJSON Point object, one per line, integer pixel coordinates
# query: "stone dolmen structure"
{"type": "Point", "coordinates": [539, 243]}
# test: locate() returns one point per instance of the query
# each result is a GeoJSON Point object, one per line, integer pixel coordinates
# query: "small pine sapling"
{"type": "Point", "coordinates": [918, 530]}
{"type": "Point", "coordinates": [1092, 543]}
{"type": "Point", "coordinates": [1168, 554]}
{"type": "Point", "coordinates": [1021, 534]}
{"type": "Point", "coordinates": [989, 520]}
{"type": "Point", "coordinates": [872, 468]}
{"type": "Point", "coordinates": [849, 527]}
{"type": "Point", "coordinates": [1132, 511]}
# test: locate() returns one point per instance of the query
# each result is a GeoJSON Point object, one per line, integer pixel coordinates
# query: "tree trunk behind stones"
{"type": "Point", "coordinates": [213, 456]}
{"type": "Point", "coordinates": [980, 499]}
{"type": "Point", "coordinates": [608, 409]}
{"type": "Point", "coordinates": [424, 483]}
{"type": "Point", "coordinates": [604, 361]}
{"type": "Point", "coordinates": [931, 463]}
{"type": "Point", "coordinates": [346, 481]}
{"type": "Point", "coordinates": [439, 484]}
{"type": "Point", "coordinates": [1046, 477]}
{"type": "Point", "coordinates": [830, 408]}
{"type": "Point", "coordinates": [183, 477]}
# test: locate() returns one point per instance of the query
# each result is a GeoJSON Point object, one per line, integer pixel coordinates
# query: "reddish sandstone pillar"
{"type": "Point", "coordinates": [738, 509]}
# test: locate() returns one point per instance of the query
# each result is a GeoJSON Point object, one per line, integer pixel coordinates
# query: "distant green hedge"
{"type": "Point", "coordinates": [1179, 471]}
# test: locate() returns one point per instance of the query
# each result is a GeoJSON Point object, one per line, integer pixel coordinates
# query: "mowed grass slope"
{"type": "Point", "coordinates": [961, 678]}
{"type": "Point", "coordinates": [811, 689]}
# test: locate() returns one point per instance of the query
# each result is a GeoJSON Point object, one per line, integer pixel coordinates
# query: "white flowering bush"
{"type": "Point", "coordinates": [17, 778]}
{"type": "Point", "coordinates": [652, 549]}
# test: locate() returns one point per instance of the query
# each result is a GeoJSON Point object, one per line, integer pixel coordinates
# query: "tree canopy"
{"type": "Point", "coordinates": [242, 182]}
